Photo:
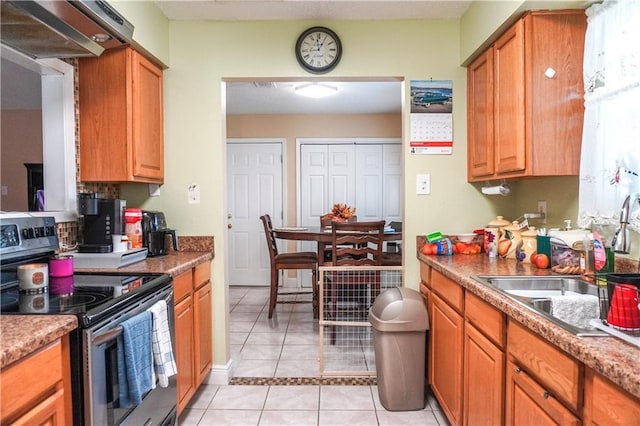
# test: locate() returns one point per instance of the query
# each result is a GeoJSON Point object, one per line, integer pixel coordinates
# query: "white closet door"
{"type": "Point", "coordinates": [392, 183]}
{"type": "Point", "coordinates": [314, 191]}
{"type": "Point", "coordinates": [341, 176]}
{"type": "Point", "coordinates": [254, 179]}
{"type": "Point", "coordinates": [369, 182]}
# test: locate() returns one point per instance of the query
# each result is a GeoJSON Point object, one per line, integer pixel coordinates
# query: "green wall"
{"type": "Point", "coordinates": [201, 55]}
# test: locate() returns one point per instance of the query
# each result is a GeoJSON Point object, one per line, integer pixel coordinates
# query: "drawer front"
{"type": "Point", "coordinates": [182, 285]}
{"type": "Point", "coordinates": [201, 274]}
{"type": "Point", "coordinates": [556, 371]}
{"type": "Point", "coordinates": [424, 273]}
{"type": "Point", "coordinates": [490, 321]}
{"type": "Point", "coordinates": [31, 379]}
{"type": "Point", "coordinates": [450, 291]}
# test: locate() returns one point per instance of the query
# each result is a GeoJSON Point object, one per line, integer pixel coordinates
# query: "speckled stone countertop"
{"type": "Point", "coordinates": [609, 356]}
{"type": "Point", "coordinates": [22, 334]}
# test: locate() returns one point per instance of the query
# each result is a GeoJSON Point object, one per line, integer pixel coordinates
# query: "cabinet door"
{"type": "Point", "coordinates": [184, 351]}
{"type": "Point", "coordinates": [528, 403]}
{"type": "Point", "coordinates": [483, 379]}
{"type": "Point", "coordinates": [147, 143]}
{"type": "Point", "coordinates": [509, 100]}
{"type": "Point", "coordinates": [48, 412]}
{"type": "Point", "coordinates": [446, 357]}
{"type": "Point", "coordinates": [607, 404]}
{"type": "Point", "coordinates": [203, 330]}
{"type": "Point", "coordinates": [480, 155]}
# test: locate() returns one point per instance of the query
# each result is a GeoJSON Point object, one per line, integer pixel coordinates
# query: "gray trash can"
{"type": "Point", "coordinates": [400, 322]}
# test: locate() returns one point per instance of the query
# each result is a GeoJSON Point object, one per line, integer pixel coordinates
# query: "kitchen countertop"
{"type": "Point", "coordinates": [22, 334]}
{"type": "Point", "coordinates": [609, 356]}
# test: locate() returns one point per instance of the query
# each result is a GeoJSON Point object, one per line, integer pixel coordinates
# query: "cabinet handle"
{"type": "Point", "coordinates": [518, 370]}
{"type": "Point", "coordinates": [546, 395]}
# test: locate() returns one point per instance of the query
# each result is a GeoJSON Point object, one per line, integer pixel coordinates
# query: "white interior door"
{"type": "Point", "coordinates": [254, 187]}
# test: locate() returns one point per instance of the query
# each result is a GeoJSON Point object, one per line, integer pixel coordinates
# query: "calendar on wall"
{"type": "Point", "coordinates": [431, 117]}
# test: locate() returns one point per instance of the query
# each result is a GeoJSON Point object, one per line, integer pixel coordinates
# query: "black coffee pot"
{"type": "Point", "coordinates": [155, 233]}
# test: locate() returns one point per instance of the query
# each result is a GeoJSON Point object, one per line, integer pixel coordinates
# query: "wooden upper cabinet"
{"type": "Point", "coordinates": [121, 118]}
{"type": "Point", "coordinates": [480, 116]}
{"type": "Point", "coordinates": [525, 99]}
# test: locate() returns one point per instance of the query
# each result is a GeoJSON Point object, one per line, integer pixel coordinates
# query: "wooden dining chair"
{"type": "Point", "coordinates": [354, 244]}
{"type": "Point", "coordinates": [325, 249]}
{"type": "Point", "coordinates": [286, 261]}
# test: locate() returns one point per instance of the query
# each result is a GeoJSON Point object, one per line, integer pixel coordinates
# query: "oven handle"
{"type": "Point", "coordinates": [106, 336]}
{"type": "Point", "coordinates": [116, 331]}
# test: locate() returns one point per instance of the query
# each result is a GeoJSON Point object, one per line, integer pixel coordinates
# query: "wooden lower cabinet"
{"type": "Point", "coordinates": [193, 319]}
{"type": "Point", "coordinates": [36, 390]}
{"type": "Point", "coordinates": [185, 350]}
{"type": "Point", "coordinates": [606, 404]}
{"type": "Point", "coordinates": [203, 327]}
{"type": "Point", "coordinates": [445, 355]}
{"type": "Point", "coordinates": [529, 403]}
{"type": "Point", "coordinates": [483, 388]}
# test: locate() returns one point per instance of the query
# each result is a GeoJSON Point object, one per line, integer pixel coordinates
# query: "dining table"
{"type": "Point", "coordinates": [321, 235]}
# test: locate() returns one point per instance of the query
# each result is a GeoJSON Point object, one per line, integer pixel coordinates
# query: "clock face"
{"type": "Point", "coordinates": [318, 50]}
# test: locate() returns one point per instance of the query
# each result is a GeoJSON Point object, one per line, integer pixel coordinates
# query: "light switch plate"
{"type": "Point", "coordinates": [423, 184]}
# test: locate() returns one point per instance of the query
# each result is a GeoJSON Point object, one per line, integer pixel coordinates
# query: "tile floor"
{"type": "Point", "coordinates": [284, 347]}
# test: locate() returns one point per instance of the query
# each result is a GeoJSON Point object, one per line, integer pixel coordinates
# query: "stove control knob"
{"type": "Point", "coordinates": [39, 231]}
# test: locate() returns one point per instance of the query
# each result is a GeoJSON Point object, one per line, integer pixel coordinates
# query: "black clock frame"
{"type": "Point", "coordinates": [318, 70]}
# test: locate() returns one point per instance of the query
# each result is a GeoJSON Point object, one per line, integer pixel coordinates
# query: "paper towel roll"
{"type": "Point", "coordinates": [503, 189]}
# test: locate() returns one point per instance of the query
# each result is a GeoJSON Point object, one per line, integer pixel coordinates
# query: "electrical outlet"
{"type": "Point", "coordinates": [542, 208]}
{"type": "Point", "coordinates": [423, 184]}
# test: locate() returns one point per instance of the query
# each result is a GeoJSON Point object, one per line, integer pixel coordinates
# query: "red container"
{"type": "Point", "coordinates": [624, 311]}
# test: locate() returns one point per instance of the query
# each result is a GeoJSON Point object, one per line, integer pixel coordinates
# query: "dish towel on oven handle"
{"type": "Point", "coordinates": [135, 360]}
{"type": "Point", "coordinates": [164, 361]}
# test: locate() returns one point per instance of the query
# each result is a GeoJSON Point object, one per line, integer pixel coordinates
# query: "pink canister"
{"type": "Point", "coordinates": [61, 266]}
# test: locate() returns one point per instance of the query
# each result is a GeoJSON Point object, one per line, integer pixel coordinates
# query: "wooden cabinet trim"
{"type": "Point", "coordinates": [559, 373]}
{"type": "Point", "coordinates": [182, 285]}
{"type": "Point", "coordinates": [449, 290]}
{"type": "Point", "coordinates": [31, 380]}
{"type": "Point", "coordinates": [486, 318]}
{"type": "Point", "coordinates": [530, 403]}
{"type": "Point", "coordinates": [201, 274]}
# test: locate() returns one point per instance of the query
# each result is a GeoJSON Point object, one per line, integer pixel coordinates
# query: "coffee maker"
{"type": "Point", "coordinates": [155, 232]}
{"type": "Point", "coordinates": [103, 218]}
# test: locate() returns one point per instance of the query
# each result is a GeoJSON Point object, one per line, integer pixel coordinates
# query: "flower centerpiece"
{"type": "Point", "coordinates": [340, 213]}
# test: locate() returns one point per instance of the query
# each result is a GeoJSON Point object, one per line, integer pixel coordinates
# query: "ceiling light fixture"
{"type": "Point", "coordinates": [316, 90]}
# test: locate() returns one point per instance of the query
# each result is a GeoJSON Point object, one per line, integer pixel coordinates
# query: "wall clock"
{"type": "Point", "coordinates": [318, 50]}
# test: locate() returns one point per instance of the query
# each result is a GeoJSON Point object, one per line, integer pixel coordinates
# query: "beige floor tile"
{"type": "Point", "coordinates": [266, 338]}
{"type": "Point", "coordinates": [230, 417]}
{"type": "Point", "coordinates": [298, 368]}
{"type": "Point", "coordinates": [293, 398]}
{"type": "Point", "coordinates": [261, 351]}
{"type": "Point", "coordinates": [239, 398]}
{"type": "Point", "coordinates": [346, 397]}
{"type": "Point", "coordinates": [413, 418]}
{"type": "Point", "coordinates": [190, 416]}
{"type": "Point", "coordinates": [203, 396]}
{"type": "Point", "coordinates": [255, 368]}
{"type": "Point", "coordinates": [347, 417]}
{"type": "Point", "coordinates": [289, 417]}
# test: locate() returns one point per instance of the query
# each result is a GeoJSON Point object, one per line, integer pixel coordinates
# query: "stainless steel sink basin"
{"type": "Point", "coordinates": [537, 293]}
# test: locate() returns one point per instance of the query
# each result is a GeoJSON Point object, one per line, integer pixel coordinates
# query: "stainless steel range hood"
{"type": "Point", "coordinates": [62, 29]}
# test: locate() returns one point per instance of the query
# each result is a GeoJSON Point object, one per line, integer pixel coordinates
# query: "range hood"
{"type": "Point", "coordinates": [62, 29]}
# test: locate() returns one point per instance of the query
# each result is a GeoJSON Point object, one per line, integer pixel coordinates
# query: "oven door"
{"type": "Point", "coordinates": [101, 383]}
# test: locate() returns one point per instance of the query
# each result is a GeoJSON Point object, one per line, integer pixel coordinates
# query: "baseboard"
{"type": "Point", "coordinates": [220, 374]}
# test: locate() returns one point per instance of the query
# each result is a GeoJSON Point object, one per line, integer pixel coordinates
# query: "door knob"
{"type": "Point", "coordinates": [229, 226]}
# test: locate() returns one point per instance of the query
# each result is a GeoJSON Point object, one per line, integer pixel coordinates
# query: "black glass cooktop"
{"type": "Point", "coordinates": [83, 295]}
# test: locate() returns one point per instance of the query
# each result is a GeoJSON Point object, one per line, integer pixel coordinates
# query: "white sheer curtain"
{"type": "Point", "coordinates": [610, 162]}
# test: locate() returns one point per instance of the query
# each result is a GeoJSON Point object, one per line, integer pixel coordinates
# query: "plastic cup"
{"type": "Point", "coordinates": [623, 310]}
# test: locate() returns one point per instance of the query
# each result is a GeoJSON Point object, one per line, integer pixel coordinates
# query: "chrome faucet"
{"type": "Point", "coordinates": [621, 242]}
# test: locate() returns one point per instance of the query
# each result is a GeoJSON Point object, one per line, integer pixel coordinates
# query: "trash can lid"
{"type": "Point", "coordinates": [399, 309]}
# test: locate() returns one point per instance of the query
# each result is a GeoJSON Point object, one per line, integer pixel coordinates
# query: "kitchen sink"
{"type": "Point", "coordinates": [566, 300]}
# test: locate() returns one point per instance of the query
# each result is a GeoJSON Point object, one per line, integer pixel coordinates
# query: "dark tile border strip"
{"type": "Point", "coordinates": [303, 381]}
